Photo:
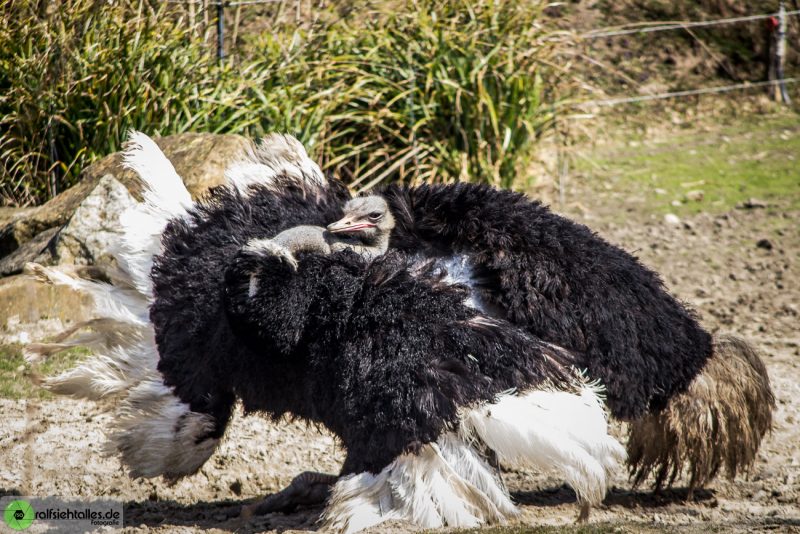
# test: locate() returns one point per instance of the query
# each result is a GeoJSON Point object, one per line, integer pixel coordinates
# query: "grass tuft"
{"type": "Point", "coordinates": [435, 91]}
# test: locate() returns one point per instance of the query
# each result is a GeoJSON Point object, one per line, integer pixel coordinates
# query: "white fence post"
{"type": "Point", "coordinates": [776, 72]}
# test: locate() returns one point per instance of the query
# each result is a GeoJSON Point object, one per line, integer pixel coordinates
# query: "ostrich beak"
{"type": "Point", "coordinates": [348, 224]}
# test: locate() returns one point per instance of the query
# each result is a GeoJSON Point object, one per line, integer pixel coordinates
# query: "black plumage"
{"type": "Point", "coordinates": [382, 352]}
{"type": "Point", "coordinates": [563, 284]}
{"type": "Point", "coordinates": [198, 356]}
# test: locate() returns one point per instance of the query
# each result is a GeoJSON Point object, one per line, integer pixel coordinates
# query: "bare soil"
{"type": "Point", "coordinates": [740, 270]}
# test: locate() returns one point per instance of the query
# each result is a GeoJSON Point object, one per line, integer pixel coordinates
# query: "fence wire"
{"type": "Point", "coordinates": [598, 34]}
{"type": "Point", "coordinates": [637, 29]}
{"type": "Point", "coordinates": [678, 94]}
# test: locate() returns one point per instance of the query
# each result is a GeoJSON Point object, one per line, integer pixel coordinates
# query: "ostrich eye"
{"type": "Point", "coordinates": [375, 215]}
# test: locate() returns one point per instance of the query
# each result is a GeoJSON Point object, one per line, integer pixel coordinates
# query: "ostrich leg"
{"type": "Point", "coordinates": [583, 516]}
{"type": "Point", "coordinates": [308, 488]}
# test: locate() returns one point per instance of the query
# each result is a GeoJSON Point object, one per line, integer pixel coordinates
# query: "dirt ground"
{"type": "Point", "coordinates": [739, 269]}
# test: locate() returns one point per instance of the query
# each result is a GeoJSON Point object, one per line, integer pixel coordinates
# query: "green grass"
{"type": "Point", "coordinates": [754, 158]}
{"type": "Point", "coordinates": [15, 375]}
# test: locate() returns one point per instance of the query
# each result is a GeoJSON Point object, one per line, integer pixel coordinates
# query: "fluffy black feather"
{"type": "Point", "coordinates": [564, 284]}
{"type": "Point", "coordinates": [382, 353]}
{"type": "Point", "coordinates": [387, 357]}
{"type": "Point", "coordinates": [193, 335]}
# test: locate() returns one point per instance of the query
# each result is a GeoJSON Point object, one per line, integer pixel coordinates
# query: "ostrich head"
{"type": "Point", "coordinates": [366, 219]}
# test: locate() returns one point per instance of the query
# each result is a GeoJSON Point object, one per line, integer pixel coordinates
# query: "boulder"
{"type": "Point", "coordinates": [79, 226]}
{"type": "Point", "coordinates": [32, 311]}
{"type": "Point", "coordinates": [37, 249]}
{"type": "Point", "coordinates": [26, 224]}
{"type": "Point", "coordinates": [94, 227]}
{"type": "Point", "coordinates": [200, 159]}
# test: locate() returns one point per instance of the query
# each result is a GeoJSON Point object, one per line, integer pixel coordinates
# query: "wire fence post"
{"type": "Point", "coordinates": [220, 30]}
{"type": "Point", "coordinates": [776, 70]}
{"type": "Point", "coordinates": [781, 51]}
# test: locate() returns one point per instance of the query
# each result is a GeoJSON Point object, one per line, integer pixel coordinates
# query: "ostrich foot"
{"type": "Point", "coordinates": [583, 516]}
{"type": "Point", "coordinates": [305, 489]}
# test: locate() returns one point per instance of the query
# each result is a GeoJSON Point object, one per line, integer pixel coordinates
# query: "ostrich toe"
{"type": "Point", "coordinates": [308, 488]}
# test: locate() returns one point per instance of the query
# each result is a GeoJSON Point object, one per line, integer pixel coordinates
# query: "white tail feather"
{"type": "Point", "coordinates": [552, 430]}
{"type": "Point", "coordinates": [107, 375]}
{"type": "Point", "coordinates": [104, 334]}
{"type": "Point", "coordinates": [276, 156]}
{"type": "Point", "coordinates": [158, 435]}
{"type": "Point", "coordinates": [164, 191]}
{"type": "Point", "coordinates": [470, 466]}
{"type": "Point", "coordinates": [429, 489]}
{"type": "Point", "coordinates": [154, 431]}
{"type": "Point", "coordinates": [448, 483]}
{"type": "Point", "coordinates": [120, 304]}
{"type": "Point", "coordinates": [165, 198]}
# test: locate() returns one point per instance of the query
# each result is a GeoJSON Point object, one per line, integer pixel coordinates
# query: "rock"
{"type": "Point", "coordinates": [8, 214]}
{"type": "Point", "coordinates": [672, 219]}
{"type": "Point", "coordinates": [752, 203]}
{"type": "Point", "coordinates": [79, 226]}
{"type": "Point", "coordinates": [28, 223]}
{"type": "Point", "coordinates": [200, 159]}
{"type": "Point", "coordinates": [36, 250]}
{"type": "Point", "coordinates": [695, 195]}
{"type": "Point", "coordinates": [31, 310]}
{"type": "Point", "coordinates": [766, 244]}
{"type": "Point", "coordinates": [86, 237]}
{"type": "Point", "coordinates": [94, 227]}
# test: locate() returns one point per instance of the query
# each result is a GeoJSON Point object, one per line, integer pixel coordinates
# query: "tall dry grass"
{"type": "Point", "coordinates": [431, 91]}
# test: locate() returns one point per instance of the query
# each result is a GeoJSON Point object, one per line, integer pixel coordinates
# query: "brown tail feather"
{"type": "Point", "coordinates": [718, 423]}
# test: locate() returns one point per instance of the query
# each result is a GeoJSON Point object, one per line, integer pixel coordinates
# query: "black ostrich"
{"type": "Point", "coordinates": [693, 401]}
{"type": "Point", "coordinates": [464, 339]}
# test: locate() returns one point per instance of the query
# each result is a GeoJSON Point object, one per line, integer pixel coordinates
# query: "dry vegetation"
{"type": "Point", "coordinates": [428, 92]}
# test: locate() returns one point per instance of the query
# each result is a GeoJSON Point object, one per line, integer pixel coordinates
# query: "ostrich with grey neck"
{"type": "Point", "coordinates": [364, 229]}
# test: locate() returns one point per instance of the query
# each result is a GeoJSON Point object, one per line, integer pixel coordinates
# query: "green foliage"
{"type": "Point", "coordinates": [451, 92]}
{"type": "Point", "coordinates": [741, 160]}
{"type": "Point", "coordinates": [436, 91]}
{"type": "Point", "coordinates": [78, 78]}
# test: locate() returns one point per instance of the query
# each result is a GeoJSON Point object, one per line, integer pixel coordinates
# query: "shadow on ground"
{"type": "Point", "coordinates": [557, 496]}
{"type": "Point", "coordinates": [222, 515]}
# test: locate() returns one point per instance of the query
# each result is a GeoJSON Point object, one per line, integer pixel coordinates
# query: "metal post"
{"type": "Point", "coordinates": [220, 30]}
{"type": "Point", "coordinates": [780, 53]}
